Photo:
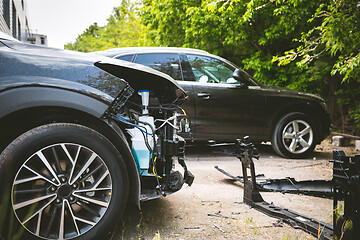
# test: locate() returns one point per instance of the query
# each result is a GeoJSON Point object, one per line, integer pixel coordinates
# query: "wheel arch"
{"type": "Point", "coordinates": [306, 108]}
{"type": "Point", "coordinates": [27, 108]}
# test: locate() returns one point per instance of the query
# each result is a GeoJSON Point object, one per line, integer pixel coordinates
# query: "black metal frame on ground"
{"type": "Point", "coordinates": [345, 186]}
{"type": "Point", "coordinates": [245, 152]}
{"type": "Point", "coordinates": [316, 188]}
{"type": "Point", "coordinates": [346, 181]}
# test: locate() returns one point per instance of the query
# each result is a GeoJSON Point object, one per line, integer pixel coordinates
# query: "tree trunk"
{"type": "Point", "coordinates": [334, 86]}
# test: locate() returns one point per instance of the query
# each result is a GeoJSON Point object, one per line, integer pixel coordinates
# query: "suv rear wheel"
{"type": "Point", "coordinates": [293, 136]}
{"type": "Point", "coordinates": [62, 181]}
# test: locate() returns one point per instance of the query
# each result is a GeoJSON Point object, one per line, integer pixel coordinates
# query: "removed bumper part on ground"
{"type": "Point", "coordinates": [344, 186]}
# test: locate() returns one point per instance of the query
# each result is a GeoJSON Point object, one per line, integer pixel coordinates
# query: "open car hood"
{"type": "Point", "coordinates": [141, 77]}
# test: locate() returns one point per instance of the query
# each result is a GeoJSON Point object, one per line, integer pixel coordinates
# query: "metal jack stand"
{"type": "Point", "coordinates": [246, 151]}
{"type": "Point", "coordinates": [346, 180]}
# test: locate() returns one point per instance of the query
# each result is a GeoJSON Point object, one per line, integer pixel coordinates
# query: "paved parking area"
{"type": "Point", "coordinates": [212, 207]}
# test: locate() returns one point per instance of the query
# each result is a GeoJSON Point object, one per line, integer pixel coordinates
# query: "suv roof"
{"type": "Point", "coordinates": [119, 51]}
{"type": "Point", "coordinates": [115, 52]}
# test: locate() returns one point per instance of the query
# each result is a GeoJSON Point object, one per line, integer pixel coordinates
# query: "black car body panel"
{"type": "Point", "coordinates": [240, 112]}
{"type": "Point", "coordinates": [56, 64]}
{"type": "Point", "coordinates": [141, 77]}
{"type": "Point", "coordinates": [16, 99]}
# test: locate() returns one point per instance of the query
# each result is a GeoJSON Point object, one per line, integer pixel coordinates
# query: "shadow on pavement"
{"type": "Point", "coordinates": [155, 216]}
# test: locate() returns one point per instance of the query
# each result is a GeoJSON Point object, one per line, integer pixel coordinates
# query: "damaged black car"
{"type": "Point", "coordinates": [83, 139]}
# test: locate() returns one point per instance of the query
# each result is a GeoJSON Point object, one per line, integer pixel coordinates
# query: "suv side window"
{"type": "Point", "coordinates": [127, 58]}
{"type": "Point", "coordinates": [211, 70]}
{"type": "Point", "coordinates": [168, 63]}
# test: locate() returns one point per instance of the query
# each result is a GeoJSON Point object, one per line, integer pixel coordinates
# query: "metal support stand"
{"type": "Point", "coordinates": [245, 152]}
{"type": "Point", "coordinates": [346, 180]}
{"type": "Point", "coordinates": [345, 186]}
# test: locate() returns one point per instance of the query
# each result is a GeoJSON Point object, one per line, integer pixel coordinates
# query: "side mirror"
{"type": "Point", "coordinates": [238, 75]}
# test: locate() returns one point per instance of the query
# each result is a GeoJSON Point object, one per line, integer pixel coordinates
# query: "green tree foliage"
{"type": "Point", "coordinates": [337, 32]}
{"type": "Point", "coordinates": [123, 29]}
{"type": "Point", "coordinates": [302, 44]}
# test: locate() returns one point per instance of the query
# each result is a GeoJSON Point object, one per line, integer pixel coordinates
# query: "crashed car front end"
{"type": "Point", "coordinates": [149, 108]}
{"type": "Point", "coordinates": [83, 139]}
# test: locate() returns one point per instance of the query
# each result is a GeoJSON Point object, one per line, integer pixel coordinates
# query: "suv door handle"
{"type": "Point", "coordinates": [204, 95]}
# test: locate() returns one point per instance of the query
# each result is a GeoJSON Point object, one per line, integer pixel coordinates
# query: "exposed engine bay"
{"type": "Point", "coordinates": [153, 131]}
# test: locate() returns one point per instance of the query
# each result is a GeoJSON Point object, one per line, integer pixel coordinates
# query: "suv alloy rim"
{"type": "Point", "coordinates": [297, 136]}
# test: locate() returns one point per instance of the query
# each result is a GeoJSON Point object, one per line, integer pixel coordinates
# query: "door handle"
{"type": "Point", "coordinates": [204, 95]}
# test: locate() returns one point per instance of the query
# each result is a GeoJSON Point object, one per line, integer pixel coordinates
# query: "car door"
{"type": "Point", "coordinates": [171, 64]}
{"type": "Point", "coordinates": [226, 109]}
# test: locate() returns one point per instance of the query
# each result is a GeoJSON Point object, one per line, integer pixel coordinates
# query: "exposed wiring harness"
{"type": "Point", "coordinates": [129, 115]}
{"type": "Point", "coordinates": [147, 130]}
{"type": "Point", "coordinates": [136, 126]}
{"type": "Point", "coordinates": [167, 121]}
{"type": "Point", "coordinates": [142, 129]}
{"type": "Point", "coordinates": [154, 169]}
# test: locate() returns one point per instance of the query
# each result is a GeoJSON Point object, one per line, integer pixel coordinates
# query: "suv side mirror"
{"type": "Point", "coordinates": [238, 75]}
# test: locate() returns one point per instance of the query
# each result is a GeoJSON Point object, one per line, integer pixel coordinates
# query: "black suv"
{"type": "Point", "coordinates": [226, 103]}
{"type": "Point", "coordinates": [82, 139]}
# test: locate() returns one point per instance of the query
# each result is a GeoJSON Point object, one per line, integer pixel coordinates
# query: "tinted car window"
{"type": "Point", "coordinates": [212, 70]}
{"type": "Point", "coordinates": [168, 63]}
{"type": "Point", "coordinates": [128, 58]}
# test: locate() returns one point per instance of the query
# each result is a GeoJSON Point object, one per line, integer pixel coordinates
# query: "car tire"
{"type": "Point", "coordinates": [293, 136]}
{"type": "Point", "coordinates": [61, 181]}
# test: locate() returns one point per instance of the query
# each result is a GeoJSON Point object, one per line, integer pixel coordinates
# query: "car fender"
{"type": "Point", "coordinates": [16, 97]}
{"type": "Point", "coordinates": [27, 97]}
